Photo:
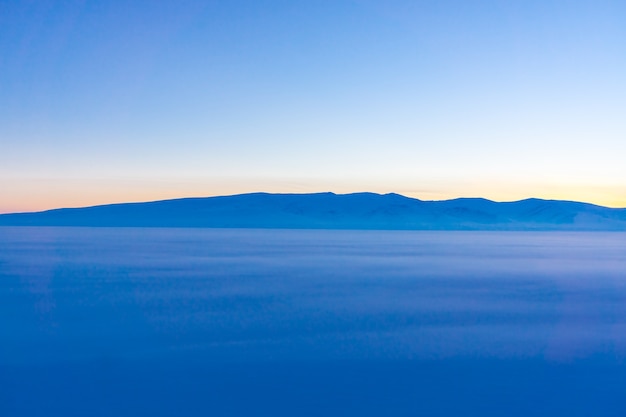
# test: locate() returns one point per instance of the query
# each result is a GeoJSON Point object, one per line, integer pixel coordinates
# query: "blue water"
{"type": "Point", "coordinates": [209, 322]}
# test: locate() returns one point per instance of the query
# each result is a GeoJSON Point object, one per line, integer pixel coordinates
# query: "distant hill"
{"type": "Point", "coordinates": [335, 211]}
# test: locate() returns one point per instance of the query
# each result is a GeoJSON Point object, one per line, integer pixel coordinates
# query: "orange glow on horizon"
{"type": "Point", "coordinates": [45, 195]}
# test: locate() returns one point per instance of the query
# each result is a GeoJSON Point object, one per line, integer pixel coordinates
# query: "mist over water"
{"type": "Point", "coordinates": [191, 322]}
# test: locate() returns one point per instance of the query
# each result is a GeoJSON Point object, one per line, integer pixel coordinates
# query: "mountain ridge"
{"type": "Point", "coordinates": [328, 210]}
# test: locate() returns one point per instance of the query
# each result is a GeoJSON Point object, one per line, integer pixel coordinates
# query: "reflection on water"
{"type": "Point", "coordinates": [190, 322]}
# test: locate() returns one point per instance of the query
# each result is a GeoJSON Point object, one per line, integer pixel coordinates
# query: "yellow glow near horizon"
{"type": "Point", "coordinates": [38, 195]}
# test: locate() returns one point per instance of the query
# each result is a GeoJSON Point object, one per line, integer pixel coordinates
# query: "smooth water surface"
{"type": "Point", "coordinates": [210, 322]}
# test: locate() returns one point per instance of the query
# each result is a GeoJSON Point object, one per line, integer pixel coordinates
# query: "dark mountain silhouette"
{"type": "Point", "coordinates": [335, 211]}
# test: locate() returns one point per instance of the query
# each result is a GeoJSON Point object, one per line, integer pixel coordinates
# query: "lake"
{"type": "Point", "coordinates": [237, 322]}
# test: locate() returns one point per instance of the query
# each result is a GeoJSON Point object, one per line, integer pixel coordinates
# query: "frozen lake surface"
{"type": "Point", "coordinates": [209, 322]}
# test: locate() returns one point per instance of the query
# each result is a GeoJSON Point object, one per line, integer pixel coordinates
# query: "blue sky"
{"type": "Point", "coordinates": [139, 100]}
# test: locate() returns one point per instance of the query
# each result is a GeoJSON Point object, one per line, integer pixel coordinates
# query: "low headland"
{"type": "Point", "coordinates": [368, 211]}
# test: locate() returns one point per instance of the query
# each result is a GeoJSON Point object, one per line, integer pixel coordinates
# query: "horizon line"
{"type": "Point", "coordinates": [310, 193]}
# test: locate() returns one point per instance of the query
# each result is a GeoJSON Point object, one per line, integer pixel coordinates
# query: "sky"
{"type": "Point", "coordinates": [115, 101]}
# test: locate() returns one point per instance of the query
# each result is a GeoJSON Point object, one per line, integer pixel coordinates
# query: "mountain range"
{"type": "Point", "coordinates": [335, 211]}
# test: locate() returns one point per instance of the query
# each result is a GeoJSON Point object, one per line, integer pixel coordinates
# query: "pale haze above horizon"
{"type": "Point", "coordinates": [120, 101]}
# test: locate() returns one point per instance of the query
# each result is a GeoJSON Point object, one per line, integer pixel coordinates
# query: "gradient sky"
{"type": "Point", "coordinates": [110, 101]}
